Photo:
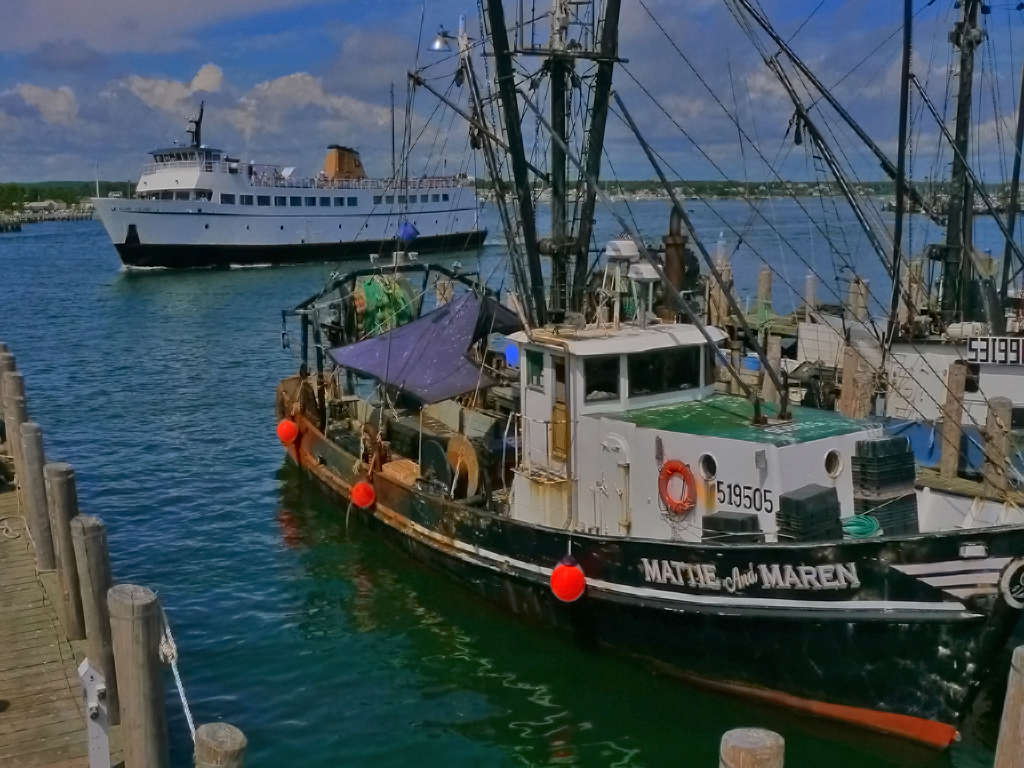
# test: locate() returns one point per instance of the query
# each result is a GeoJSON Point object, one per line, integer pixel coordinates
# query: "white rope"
{"type": "Point", "coordinates": [169, 655]}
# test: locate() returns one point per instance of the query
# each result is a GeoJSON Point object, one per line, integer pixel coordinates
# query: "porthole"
{"type": "Point", "coordinates": [708, 466]}
{"type": "Point", "coordinates": [833, 463]}
{"type": "Point", "coordinates": [246, 226]}
{"type": "Point", "coordinates": [282, 226]}
{"type": "Point", "coordinates": [207, 226]}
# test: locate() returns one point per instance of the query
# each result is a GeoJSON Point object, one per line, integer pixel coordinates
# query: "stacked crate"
{"type": "Point", "coordinates": [728, 527]}
{"type": "Point", "coordinates": [884, 472]}
{"type": "Point", "coordinates": [809, 514]}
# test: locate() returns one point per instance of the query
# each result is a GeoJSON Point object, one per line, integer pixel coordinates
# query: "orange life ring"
{"type": "Point", "coordinates": [688, 502]}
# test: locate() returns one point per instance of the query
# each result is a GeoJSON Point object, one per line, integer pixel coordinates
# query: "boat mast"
{"type": "Point", "coordinates": [595, 144]}
{"type": "Point", "coordinates": [957, 272]}
{"type": "Point", "coordinates": [558, 70]}
{"type": "Point", "coordinates": [506, 82]}
{"type": "Point", "coordinates": [901, 165]}
{"type": "Point", "coordinates": [1011, 207]}
{"type": "Point", "coordinates": [394, 168]}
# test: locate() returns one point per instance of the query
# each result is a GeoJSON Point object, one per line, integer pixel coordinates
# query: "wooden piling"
{"type": "Point", "coordinates": [751, 748]}
{"type": "Point", "coordinates": [810, 295]}
{"type": "Point", "coordinates": [851, 367]}
{"type": "Point", "coordinates": [764, 296]}
{"type": "Point", "coordinates": [952, 412]}
{"type": "Point", "coordinates": [769, 392]}
{"type": "Point", "coordinates": [7, 365]}
{"type": "Point", "coordinates": [997, 445]}
{"type": "Point", "coordinates": [62, 503]}
{"type": "Point", "coordinates": [92, 559]}
{"type": "Point", "coordinates": [219, 745]}
{"type": "Point", "coordinates": [135, 630]}
{"type": "Point", "coordinates": [736, 349]}
{"type": "Point", "coordinates": [863, 395]}
{"type": "Point", "coordinates": [12, 388]}
{"type": "Point", "coordinates": [1010, 747]}
{"type": "Point", "coordinates": [857, 300]}
{"type": "Point", "coordinates": [34, 494]}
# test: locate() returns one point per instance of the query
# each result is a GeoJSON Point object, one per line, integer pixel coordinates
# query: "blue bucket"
{"type": "Point", "coordinates": [752, 362]}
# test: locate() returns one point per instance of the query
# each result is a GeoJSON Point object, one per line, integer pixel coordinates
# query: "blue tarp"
{"type": "Point", "coordinates": [426, 358]}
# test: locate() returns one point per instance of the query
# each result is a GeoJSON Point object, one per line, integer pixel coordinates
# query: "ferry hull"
{"type": "Point", "coordinates": [211, 255]}
{"type": "Point", "coordinates": [896, 655]}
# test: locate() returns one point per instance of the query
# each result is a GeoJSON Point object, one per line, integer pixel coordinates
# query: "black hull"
{"type": "Point", "coordinates": [894, 654]}
{"type": "Point", "coordinates": [197, 256]}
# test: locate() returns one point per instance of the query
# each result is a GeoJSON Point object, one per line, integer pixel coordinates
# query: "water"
{"type": "Point", "coordinates": [326, 646]}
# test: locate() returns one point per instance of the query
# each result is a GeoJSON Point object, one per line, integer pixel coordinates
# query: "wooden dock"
{"type": "Point", "coordinates": [41, 711]}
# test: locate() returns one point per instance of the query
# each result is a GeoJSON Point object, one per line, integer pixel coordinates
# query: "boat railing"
{"type": "Point", "coordinates": [435, 182]}
{"type": "Point", "coordinates": [209, 166]}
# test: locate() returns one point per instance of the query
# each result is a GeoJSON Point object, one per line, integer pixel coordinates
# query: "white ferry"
{"type": "Point", "coordinates": [196, 206]}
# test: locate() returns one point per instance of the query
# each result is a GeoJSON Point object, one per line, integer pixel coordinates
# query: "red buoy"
{"type": "Point", "coordinates": [363, 494]}
{"type": "Point", "coordinates": [287, 431]}
{"type": "Point", "coordinates": [568, 582]}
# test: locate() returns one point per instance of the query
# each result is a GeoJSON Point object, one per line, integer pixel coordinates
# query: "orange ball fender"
{"type": "Point", "coordinates": [363, 495]}
{"type": "Point", "coordinates": [287, 431]}
{"type": "Point", "coordinates": [568, 582]}
{"type": "Point", "coordinates": [686, 503]}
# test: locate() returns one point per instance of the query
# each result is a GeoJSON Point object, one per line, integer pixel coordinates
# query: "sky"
{"type": "Point", "coordinates": [96, 84]}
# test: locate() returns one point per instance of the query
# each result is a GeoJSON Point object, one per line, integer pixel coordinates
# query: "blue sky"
{"type": "Point", "coordinates": [102, 81]}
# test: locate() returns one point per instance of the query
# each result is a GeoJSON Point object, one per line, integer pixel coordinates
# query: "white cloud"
{"type": "Point", "coordinates": [171, 95]}
{"type": "Point", "coordinates": [59, 106]}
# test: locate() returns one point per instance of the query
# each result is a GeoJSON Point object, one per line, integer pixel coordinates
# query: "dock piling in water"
{"type": "Point", "coordinates": [219, 745]}
{"type": "Point", "coordinates": [135, 631]}
{"type": "Point", "coordinates": [752, 748]}
{"type": "Point", "coordinates": [1010, 747]}
{"type": "Point", "coordinates": [33, 488]}
{"type": "Point", "coordinates": [952, 413]}
{"type": "Point", "coordinates": [62, 502]}
{"type": "Point", "coordinates": [997, 444]}
{"type": "Point", "coordinates": [92, 559]}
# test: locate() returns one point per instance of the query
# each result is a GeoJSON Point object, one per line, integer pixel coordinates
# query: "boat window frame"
{"type": "Point", "coordinates": [295, 201]}
{"type": "Point", "coordinates": [280, 201]}
{"type": "Point", "coordinates": [263, 201]}
{"type": "Point", "coordinates": [227, 198]}
{"type": "Point", "coordinates": [663, 354]}
{"type": "Point", "coordinates": [245, 200]}
{"type": "Point", "coordinates": [339, 202]}
{"type": "Point", "coordinates": [182, 195]}
{"type": "Point", "coordinates": [353, 202]}
{"type": "Point", "coordinates": [534, 369]}
{"type": "Point", "coordinates": [307, 202]}
{"type": "Point", "coordinates": [591, 360]}
{"type": "Point", "coordinates": [325, 202]}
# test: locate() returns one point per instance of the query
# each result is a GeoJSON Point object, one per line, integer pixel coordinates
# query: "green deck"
{"type": "Point", "coordinates": [729, 417]}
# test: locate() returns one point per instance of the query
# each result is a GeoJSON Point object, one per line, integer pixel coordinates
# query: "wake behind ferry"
{"type": "Point", "coordinates": [196, 206]}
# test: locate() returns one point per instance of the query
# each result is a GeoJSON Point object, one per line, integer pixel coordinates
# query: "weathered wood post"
{"type": "Point", "coordinates": [7, 365]}
{"type": "Point", "coordinates": [33, 489]}
{"type": "Point", "coordinates": [62, 502]}
{"type": "Point", "coordinates": [769, 392]}
{"type": "Point", "coordinates": [92, 558]}
{"type": "Point", "coordinates": [751, 748]}
{"type": "Point", "coordinates": [12, 389]}
{"type": "Point", "coordinates": [736, 349]}
{"type": "Point", "coordinates": [952, 412]}
{"type": "Point", "coordinates": [997, 444]}
{"type": "Point", "coordinates": [1010, 747]}
{"type": "Point", "coordinates": [862, 396]}
{"type": "Point", "coordinates": [135, 630]}
{"type": "Point", "coordinates": [851, 367]}
{"type": "Point", "coordinates": [219, 745]}
{"type": "Point", "coordinates": [810, 295]}
{"type": "Point", "coordinates": [857, 300]}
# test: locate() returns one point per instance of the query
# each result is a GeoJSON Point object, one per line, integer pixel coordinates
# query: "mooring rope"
{"type": "Point", "coordinates": [169, 655]}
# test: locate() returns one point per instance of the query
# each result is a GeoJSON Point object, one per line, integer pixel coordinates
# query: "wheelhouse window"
{"type": "Point", "coordinates": [352, 201]}
{"type": "Point", "coordinates": [534, 369]}
{"type": "Point", "coordinates": [310, 201]}
{"type": "Point", "coordinates": [601, 378]}
{"type": "Point", "coordinates": [226, 199]}
{"type": "Point", "coordinates": [204, 195]}
{"type": "Point", "coordinates": [245, 199]}
{"type": "Point", "coordinates": [262, 199]}
{"type": "Point", "coordinates": [167, 195]}
{"type": "Point", "coordinates": [183, 195]}
{"type": "Point", "coordinates": [664, 370]}
{"type": "Point", "coordinates": [295, 201]}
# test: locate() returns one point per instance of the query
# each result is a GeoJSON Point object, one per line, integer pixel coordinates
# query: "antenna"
{"type": "Point", "coordinates": [195, 129]}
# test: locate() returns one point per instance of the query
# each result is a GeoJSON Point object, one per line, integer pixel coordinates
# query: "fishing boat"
{"type": "Point", "coordinates": [197, 206]}
{"type": "Point", "coordinates": [566, 450]}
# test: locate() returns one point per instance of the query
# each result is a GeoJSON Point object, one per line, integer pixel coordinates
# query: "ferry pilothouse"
{"type": "Point", "coordinates": [196, 206]}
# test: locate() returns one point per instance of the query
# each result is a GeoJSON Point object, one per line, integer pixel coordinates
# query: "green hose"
{"type": "Point", "coordinates": [860, 526]}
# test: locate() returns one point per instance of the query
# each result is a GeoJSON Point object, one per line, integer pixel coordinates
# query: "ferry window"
{"type": "Point", "coordinates": [389, 199]}
{"type": "Point", "coordinates": [339, 201]}
{"type": "Point", "coordinates": [377, 199]}
{"type": "Point", "coordinates": [325, 202]}
{"type": "Point", "coordinates": [310, 201]}
{"type": "Point", "coordinates": [665, 370]}
{"type": "Point", "coordinates": [226, 199]}
{"type": "Point", "coordinates": [204, 195]}
{"type": "Point", "coordinates": [263, 200]}
{"type": "Point", "coordinates": [534, 369]}
{"type": "Point", "coordinates": [280, 200]}
{"type": "Point", "coordinates": [601, 378]}
{"type": "Point", "coordinates": [245, 199]}
{"type": "Point", "coordinates": [444, 197]}
{"type": "Point", "coordinates": [181, 195]}
{"type": "Point", "coordinates": [352, 201]}
{"type": "Point", "coordinates": [167, 195]}
{"type": "Point", "coordinates": [401, 199]}
{"type": "Point", "coordinates": [295, 201]}
{"type": "Point", "coordinates": [435, 198]}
